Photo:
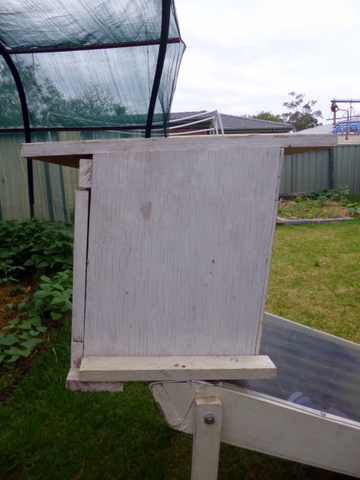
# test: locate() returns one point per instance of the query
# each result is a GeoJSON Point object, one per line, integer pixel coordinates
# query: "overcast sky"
{"type": "Point", "coordinates": [244, 57]}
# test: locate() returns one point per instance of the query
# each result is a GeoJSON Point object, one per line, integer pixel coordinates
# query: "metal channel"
{"type": "Point", "coordinates": [75, 48]}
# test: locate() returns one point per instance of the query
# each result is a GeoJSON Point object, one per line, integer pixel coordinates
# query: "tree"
{"type": "Point", "coordinates": [48, 106]}
{"type": "Point", "coordinates": [269, 116]}
{"type": "Point", "coordinates": [301, 114]}
{"type": "Point", "coordinates": [42, 96]}
{"type": "Point", "coordinates": [94, 106]}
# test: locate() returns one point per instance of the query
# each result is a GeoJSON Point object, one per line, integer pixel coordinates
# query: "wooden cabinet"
{"type": "Point", "coordinates": [173, 242]}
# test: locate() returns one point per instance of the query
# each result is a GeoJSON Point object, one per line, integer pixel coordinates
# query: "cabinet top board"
{"type": "Point", "coordinates": [69, 153]}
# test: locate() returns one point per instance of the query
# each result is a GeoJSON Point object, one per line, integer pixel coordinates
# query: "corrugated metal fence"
{"type": "Point", "coordinates": [319, 169]}
{"type": "Point", "coordinates": [55, 185]}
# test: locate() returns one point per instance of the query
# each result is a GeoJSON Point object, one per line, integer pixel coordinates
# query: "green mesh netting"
{"type": "Point", "coordinates": [86, 63]}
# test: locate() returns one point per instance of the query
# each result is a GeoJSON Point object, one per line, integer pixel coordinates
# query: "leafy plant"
{"type": "Point", "coordinates": [34, 244]}
{"type": "Point", "coordinates": [341, 192]}
{"type": "Point", "coordinates": [25, 332]}
{"type": "Point", "coordinates": [318, 205]}
{"type": "Point", "coordinates": [53, 295]}
{"type": "Point", "coordinates": [29, 247]}
{"type": "Point", "coordinates": [15, 291]}
{"type": "Point", "coordinates": [21, 339]}
{"type": "Point", "coordinates": [8, 269]}
{"type": "Point", "coordinates": [354, 208]}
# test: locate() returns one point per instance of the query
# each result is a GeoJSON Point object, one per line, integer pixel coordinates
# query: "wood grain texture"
{"type": "Point", "coordinates": [77, 350]}
{"type": "Point", "coordinates": [69, 153]}
{"type": "Point", "coordinates": [179, 251]}
{"type": "Point", "coordinates": [79, 275]}
{"type": "Point", "coordinates": [74, 384]}
{"type": "Point", "coordinates": [206, 443]}
{"type": "Point", "coordinates": [104, 369]}
{"type": "Point", "coordinates": [265, 424]}
{"type": "Point", "coordinates": [85, 173]}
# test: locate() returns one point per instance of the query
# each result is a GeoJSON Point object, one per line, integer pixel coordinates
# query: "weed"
{"type": "Point", "coordinates": [323, 204]}
{"type": "Point", "coordinates": [15, 291]}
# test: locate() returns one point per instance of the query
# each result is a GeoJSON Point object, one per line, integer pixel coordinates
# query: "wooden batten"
{"type": "Point", "coordinates": [85, 173]}
{"type": "Point", "coordinates": [74, 384]}
{"type": "Point", "coordinates": [79, 276]}
{"type": "Point", "coordinates": [179, 368]}
{"type": "Point", "coordinates": [70, 153]}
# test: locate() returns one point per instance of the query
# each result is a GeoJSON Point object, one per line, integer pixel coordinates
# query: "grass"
{"type": "Point", "coordinates": [315, 277]}
{"type": "Point", "coordinates": [48, 433]}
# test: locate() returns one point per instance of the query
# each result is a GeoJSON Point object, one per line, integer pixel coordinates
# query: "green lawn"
{"type": "Point", "coordinates": [315, 277]}
{"type": "Point", "coordinates": [49, 433]}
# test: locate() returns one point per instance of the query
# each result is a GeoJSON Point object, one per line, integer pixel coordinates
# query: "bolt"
{"type": "Point", "coordinates": [209, 419]}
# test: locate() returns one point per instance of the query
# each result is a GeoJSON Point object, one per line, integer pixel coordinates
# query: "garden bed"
{"type": "Point", "coordinates": [35, 292]}
{"type": "Point", "coordinates": [323, 206]}
{"type": "Point", "coordinates": [312, 209]}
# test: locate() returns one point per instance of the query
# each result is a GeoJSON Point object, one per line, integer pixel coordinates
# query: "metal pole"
{"type": "Point", "coordinates": [165, 25]}
{"type": "Point", "coordinates": [26, 121]}
{"type": "Point", "coordinates": [331, 168]}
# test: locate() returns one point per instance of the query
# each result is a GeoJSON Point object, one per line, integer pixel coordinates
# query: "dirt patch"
{"type": "Point", "coordinates": [292, 210]}
{"type": "Point", "coordinates": [12, 294]}
{"type": "Point", "coordinates": [336, 209]}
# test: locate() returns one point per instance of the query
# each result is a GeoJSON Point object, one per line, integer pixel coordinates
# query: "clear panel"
{"type": "Point", "coordinates": [315, 370]}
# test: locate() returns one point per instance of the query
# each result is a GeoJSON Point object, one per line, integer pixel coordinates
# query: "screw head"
{"type": "Point", "coordinates": [209, 419]}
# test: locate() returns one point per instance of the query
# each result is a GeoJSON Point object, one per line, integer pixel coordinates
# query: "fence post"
{"type": "Point", "coordinates": [331, 168]}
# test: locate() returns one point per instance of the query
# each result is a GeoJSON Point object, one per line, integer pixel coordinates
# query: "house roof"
{"type": "Point", "coordinates": [353, 136]}
{"type": "Point", "coordinates": [328, 128]}
{"type": "Point", "coordinates": [231, 123]}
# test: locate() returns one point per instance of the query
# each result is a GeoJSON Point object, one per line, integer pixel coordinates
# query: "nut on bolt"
{"type": "Point", "coordinates": [209, 419]}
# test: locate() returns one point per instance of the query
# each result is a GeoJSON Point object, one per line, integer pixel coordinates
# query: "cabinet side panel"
{"type": "Point", "coordinates": [179, 246]}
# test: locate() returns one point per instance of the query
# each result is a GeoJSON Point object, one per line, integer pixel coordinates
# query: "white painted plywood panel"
{"type": "Point", "coordinates": [179, 251]}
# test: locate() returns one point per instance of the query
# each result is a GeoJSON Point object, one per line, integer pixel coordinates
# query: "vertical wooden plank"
{"type": "Point", "coordinates": [85, 173]}
{"type": "Point", "coordinates": [271, 240]}
{"type": "Point", "coordinates": [179, 251]}
{"type": "Point", "coordinates": [206, 443]}
{"type": "Point", "coordinates": [79, 276]}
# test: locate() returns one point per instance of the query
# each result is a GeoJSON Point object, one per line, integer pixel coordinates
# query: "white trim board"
{"type": "Point", "coordinates": [69, 153]}
{"type": "Point", "coordinates": [179, 368]}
